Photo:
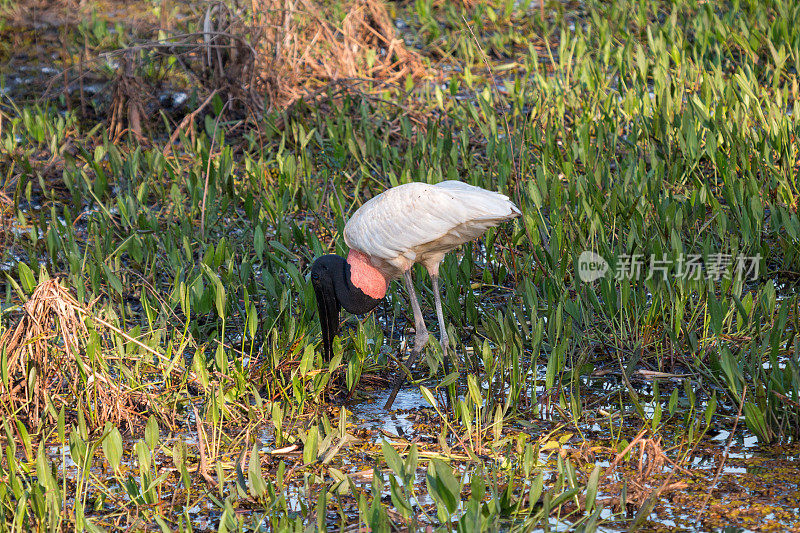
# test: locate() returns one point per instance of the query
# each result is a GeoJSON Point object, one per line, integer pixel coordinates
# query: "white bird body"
{"type": "Point", "coordinates": [420, 223]}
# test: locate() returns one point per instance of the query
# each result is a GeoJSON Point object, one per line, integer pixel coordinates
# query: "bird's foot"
{"type": "Point", "coordinates": [420, 340]}
{"type": "Point", "coordinates": [444, 342]}
{"type": "Point", "coordinates": [446, 351]}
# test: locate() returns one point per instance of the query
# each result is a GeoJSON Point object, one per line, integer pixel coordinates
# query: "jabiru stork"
{"type": "Point", "coordinates": [408, 224]}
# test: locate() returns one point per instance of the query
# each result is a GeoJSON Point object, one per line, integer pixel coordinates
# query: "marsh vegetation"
{"type": "Point", "coordinates": [169, 170]}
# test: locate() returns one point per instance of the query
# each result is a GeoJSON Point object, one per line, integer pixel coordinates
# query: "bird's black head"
{"type": "Point", "coordinates": [326, 272]}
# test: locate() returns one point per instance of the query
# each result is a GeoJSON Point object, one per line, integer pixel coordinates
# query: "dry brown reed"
{"type": "Point", "coordinates": [639, 469]}
{"type": "Point", "coordinates": [48, 366]}
{"type": "Point", "coordinates": [6, 217]}
{"type": "Point", "coordinates": [256, 56]}
{"type": "Point", "coordinates": [305, 46]}
{"type": "Point", "coordinates": [277, 52]}
{"type": "Point", "coordinates": [130, 96]}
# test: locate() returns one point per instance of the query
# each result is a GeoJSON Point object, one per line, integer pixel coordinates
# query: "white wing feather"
{"type": "Point", "coordinates": [408, 221]}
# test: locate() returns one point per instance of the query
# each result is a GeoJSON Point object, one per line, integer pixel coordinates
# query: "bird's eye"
{"type": "Point", "coordinates": [315, 276]}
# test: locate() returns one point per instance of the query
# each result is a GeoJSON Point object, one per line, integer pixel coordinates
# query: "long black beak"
{"type": "Point", "coordinates": [328, 307]}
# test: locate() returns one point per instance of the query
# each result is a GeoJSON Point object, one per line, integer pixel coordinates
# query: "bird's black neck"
{"type": "Point", "coordinates": [351, 297]}
{"type": "Point", "coordinates": [330, 276]}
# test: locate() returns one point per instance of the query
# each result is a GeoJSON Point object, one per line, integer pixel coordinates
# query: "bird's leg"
{"type": "Point", "coordinates": [420, 331]}
{"type": "Point", "coordinates": [420, 338]}
{"type": "Point", "coordinates": [443, 339]}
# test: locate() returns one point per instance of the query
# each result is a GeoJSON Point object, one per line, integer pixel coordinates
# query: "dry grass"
{"type": "Point", "coordinates": [128, 103]}
{"type": "Point", "coordinates": [6, 216]}
{"type": "Point", "coordinates": [643, 470]}
{"type": "Point", "coordinates": [49, 365]}
{"type": "Point", "coordinates": [466, 4]}
{"type": "Point", "coordinates": [277, 52]}
{"type": "Point", "coordinates": [304, 47]}
{"type": "Point", "coordinates": [263, 56]}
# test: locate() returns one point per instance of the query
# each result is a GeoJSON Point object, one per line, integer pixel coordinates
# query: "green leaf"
{"type": "Point", "coordinates": [219, 290]}
{"type": "Point", "coordinates": [711, 408]}
{"type": "Point", "coordinates": [443, 485]}
{"type": "Point", "coordinates": [731, 369]}
{"type": "Point", "coordinates": [112, 447]}
{"type": "Point", "coordinates": [200, 369]}
{"type": "Point", "coordinates": [564, 496]}
{"type": "Point", "coordinates": [310, 448]}
{"type": "Point", "coordinates": [754, 417]}
{"type": "Point", "coordinates": [474, 391]}
{"type": "Point", "coordinates": [412, 460]}
{"type": "Point", "coordinates": [449, 379]}
{"type": "Point", "coordinates": [26, 278]}
{"type": "Point", "coordinates": [393, 459]}
{"type": "Point", "coordinates": [144, 457]}
{"type": "Point", "coordinates": [113, 279]}
{"type": "Point", "coordinates": [22, 430]}
{"type": "Point", "coordinates": [258, 242]}
{"type": "Point", "coordinates": [151, 432]}
{"type": "Point", "coordinates": [591, 488]}
{"type": "Point", "coordinates": [77, 447]}
{"type": "Point", "coordinates": [673, 401]}
{"type": "Point", "coordinates": [428, 396]}
{"type": "Point", "coordinates": [477, 487]}
{"type": "Point", "coordinates": [255, 477]}
{"type": "Point", "coordinates": [307, 362]}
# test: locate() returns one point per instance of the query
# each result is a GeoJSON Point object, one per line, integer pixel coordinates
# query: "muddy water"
{"type": "Point", "coordinates": [397, 421]}
{"type": "Point", "coordinates": [727, 474]}
{"type": "Point", "coordinates": [735, 481]}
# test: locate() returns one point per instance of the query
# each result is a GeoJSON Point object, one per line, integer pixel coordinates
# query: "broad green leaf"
{"type": "Point", "coordinates": [26, 277]}
{"type": "Point", "coordinates": [112, 447]}
{"type": "Point", "coordinates": [392, 458]}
